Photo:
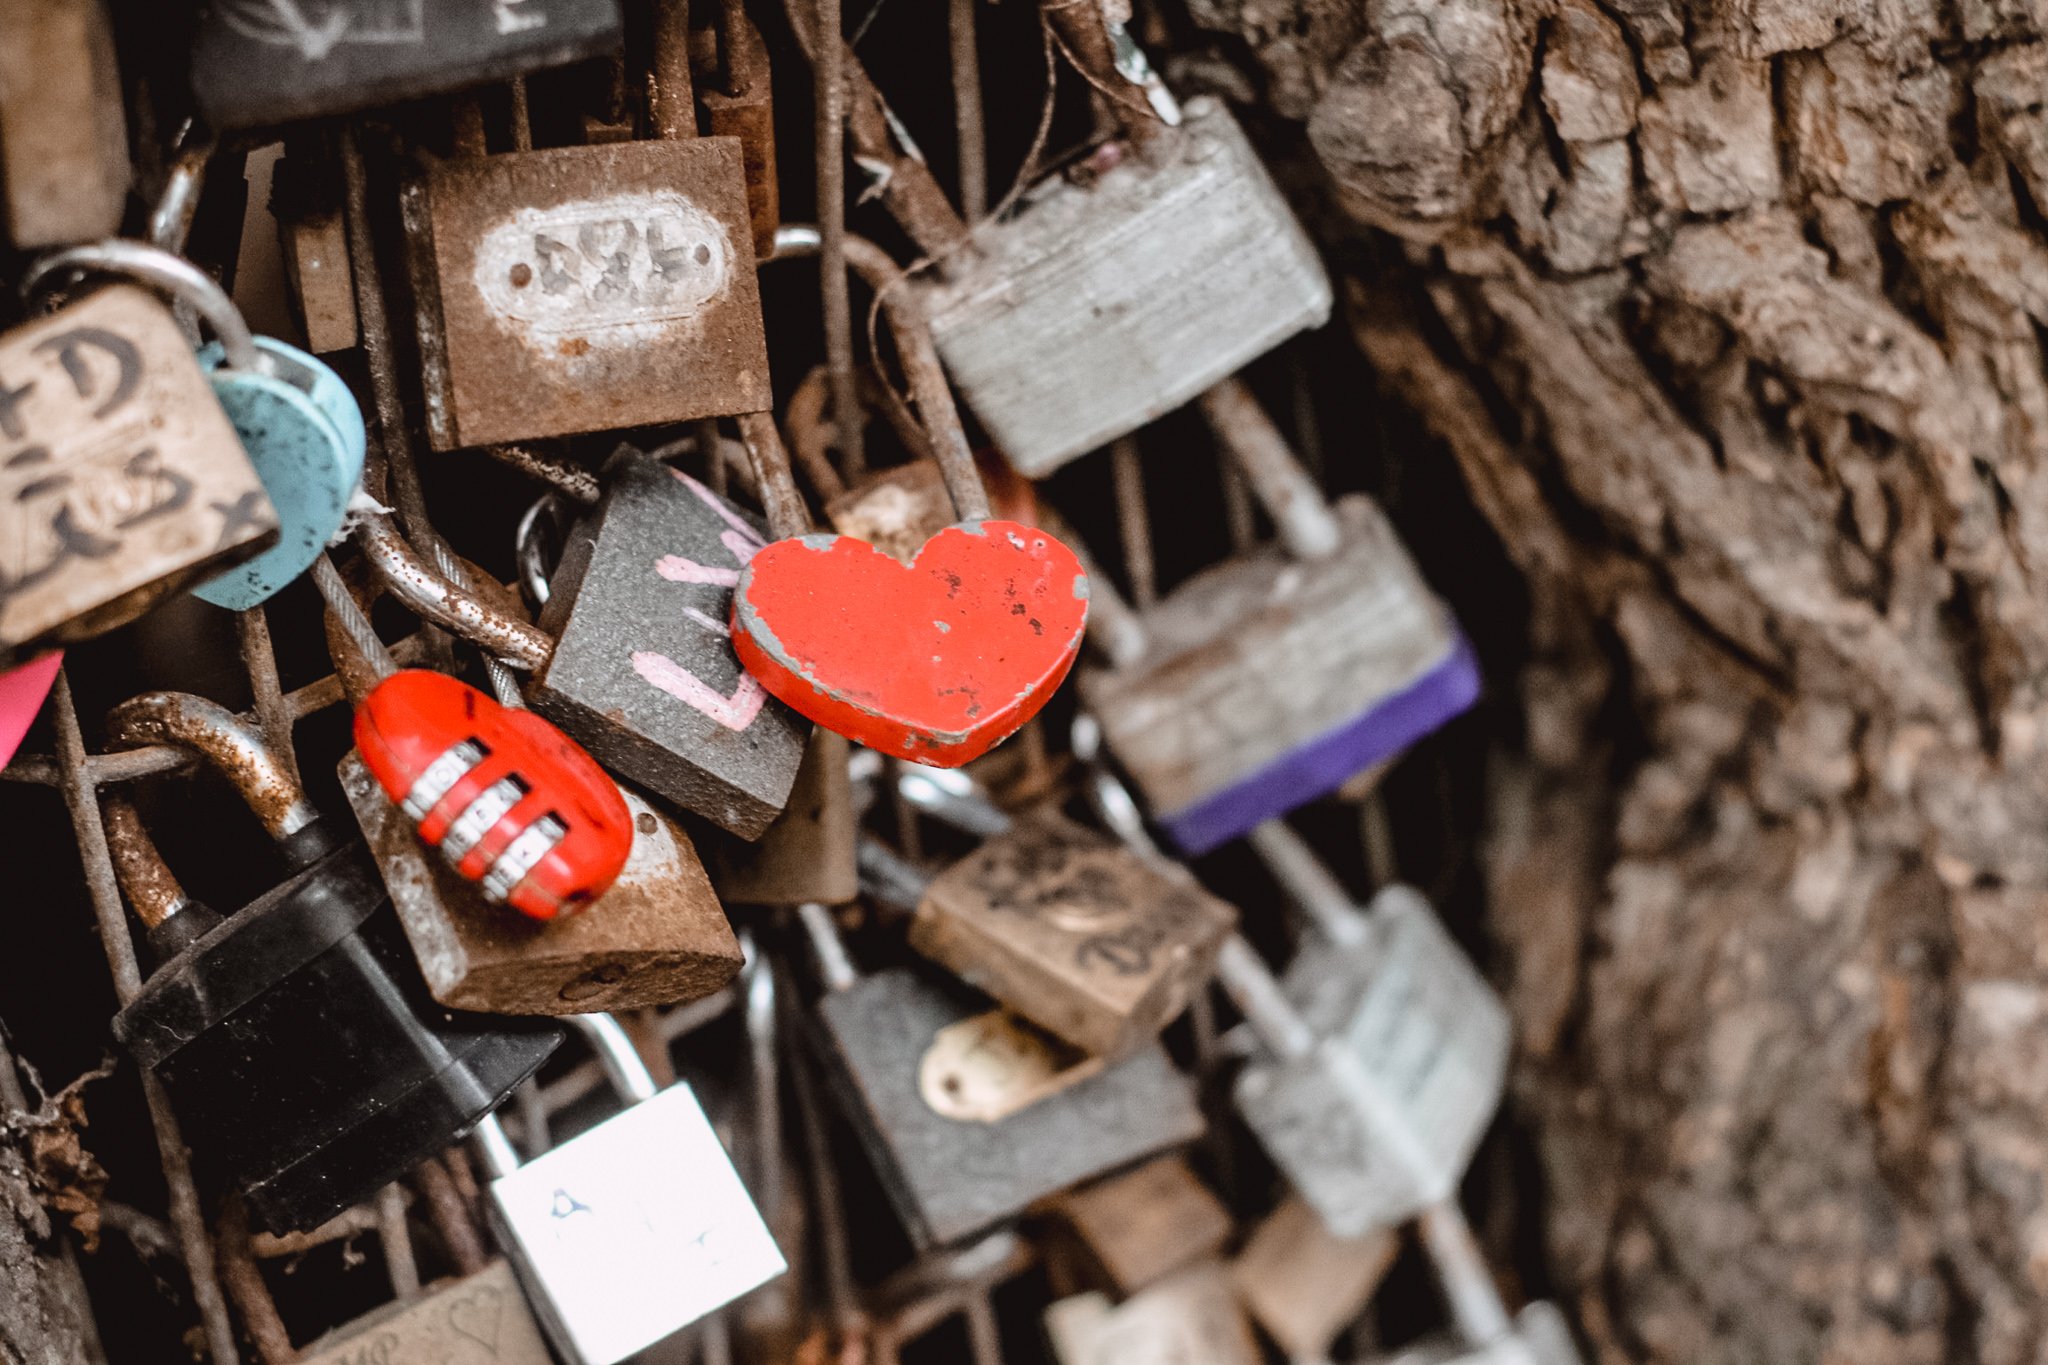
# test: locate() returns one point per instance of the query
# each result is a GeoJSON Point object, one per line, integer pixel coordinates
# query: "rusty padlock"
{"type": "Point", "coordinates": [656, 936]}
{"type": "Point", "coordinates": [578, 289]}
{"type": "Point", "coordinates": [1267, 680]}
{"type": "Point", "coordinates": [1139, 1226]}
{"type": "Point", "coordinates": [1063, 924]}
{"type": "Point", "coordinates": [738, 95]}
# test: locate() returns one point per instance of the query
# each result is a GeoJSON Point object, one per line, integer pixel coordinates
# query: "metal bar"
{"type": "Point", "coordinates": [374, 324]}
{"type": "Point", "coordinates": [1308, 882]}
{"type": "Point", "coordinates": [1461, 1269]}
{"type": "Point", "coordinates": [1250, 982]}
{"type": "Point", "coordinates": [1306, 524]}
{"type": "Point", "coordinates": [244, 1280]}
{"type": "Point", "coordinates": [967, 115]}
{"type": "Point", "coordinates": [449, 1214]}
{"type": "Point", "coordinates": [569, 479]}
{"type": "Point", "coordinates": [395, 1238]}
{"type": "Point", "coordinates": [194, 1242]}
{"type": "Point", "coordinates": [252, 632]}
{"type": "Point", "coordinates": [1134, 521]}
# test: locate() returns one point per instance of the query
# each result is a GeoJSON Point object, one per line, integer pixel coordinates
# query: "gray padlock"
{"type": "Point", "coordinates": [634, 1229]}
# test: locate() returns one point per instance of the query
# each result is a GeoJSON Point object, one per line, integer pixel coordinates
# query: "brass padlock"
{"type": "Point", "coordinates": [1267, 680]}
{"type": "Point", "coordinates": [578, 289]}
{"type": "Point", "coordinates": [1302, 1283]}
{"type": "Point", "coordinates": [657, 936]}
{"type": "Point", "coordinates": [1139, 1226]}
{"type": "Point", "coordinates": [479, 1319]}
{"type": "Point", "coordinates": [121, 478]}
{"type": "Point", "coordinates": [1064, 925]}
{"type": "Point", "coordinates": [808, 853]}
{"type": "Point", "coordinates": [63, 132]}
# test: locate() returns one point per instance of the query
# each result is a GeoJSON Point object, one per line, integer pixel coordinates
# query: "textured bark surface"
{"type": "Point", "coordinates": [45, 1318]}
{"type": "Point", "coordinates": [1730, 312]}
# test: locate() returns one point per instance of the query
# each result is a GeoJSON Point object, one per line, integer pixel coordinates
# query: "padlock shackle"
{"type": "Point", "coordinates": [223, 739]}
{"type": "Point", "coordinates": [1111, 799]}
{"type": "Point", "coordinates": [167, 273]}
{"type": "Point", "coordinates": [673, 107]}
{"type": "Point", "coordinates": [360, 658]}
{"type": "Point", "coordinates": [917, 354]}
{"type": "Point", "coordinates": [764, 1074]}
{"type": "Point", "coordinates": [953, 798]}
{"type": "Point", "coordinates": [408, 577]}
{"type": "Point", "coordinates": [1470, 1290]}
{"type": "Point", "coordinates": [827, 947]}
{"type": "Point", "coordinates": [621, 1061]}
{"type": "Point", "coordinates": [768, 458]}
{"type": "Point", "coordinates": [499, 1156]}
{"type": "Point", "coordinates": [1308, 528]}
{"type": "Point", "coordinates": [148, 882]}
{"type": "Point", "coordinates": [887, 878]}
{"type": "Point", "coordinates": [1255, 991]}
{"type": "Point", "coordinates": [739, 44]}
{"type": "Point", "coordinates": [1309, 883]}
{"type": "Point", "coordinates": [170, 218]}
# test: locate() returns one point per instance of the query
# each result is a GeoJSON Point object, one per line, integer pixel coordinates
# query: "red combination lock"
{"type": "Point", "coordinates": [512, 803]}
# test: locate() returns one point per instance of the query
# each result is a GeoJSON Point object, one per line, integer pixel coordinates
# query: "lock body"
{"type": "Point", "coordinates": [1074, 932]}
{"type": "Point", "coordinates": [1267, 681]}
{"type": "Point", "coordinates": [480, 1319]}
{"type": "Point", "coordinates": [748, 114]}
{"type": "Point", "coordinates": [1094, 310]}
{"type": "Point", "coordinates": [658, 936]}
{"type": "Point", "coordinates": [582, 289]}
{"type": "Point", "coordinates": [1382, 1118]}
{"type": "Point", "coordinates": [643, 674]}
{"type": "Point", "coordinates": [952, 1177]}
{"type": "Point", "coordinates": [255, 63]}
{"type": "Point", "coordinates": [63, 136]}
{"type": "Point", "coordinates": [1139, 1226]}
{"type": "Point", "coordinates": [1303, 1284]}
{"type": "Point", "coordinates": [633, 1230]}
{"type": "Point", "coordinates": [304, 1055]}
{"type": "Point", "coordinates": [1189, 1319]}
{"type": "Point", "coordinates": [509, 801]}
{"type": "Point", "coordinates": [304, 433]}
{"type": "Point", "coordinates": [808, 853]}
{"type": "Point", "coordinates": [121, 479]}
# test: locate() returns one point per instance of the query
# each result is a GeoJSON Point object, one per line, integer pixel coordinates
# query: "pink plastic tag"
{"type": "Point", "coordinates": [22, 693]}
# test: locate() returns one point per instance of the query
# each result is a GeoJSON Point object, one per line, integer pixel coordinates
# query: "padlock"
{"type": "Point", "coordinates": [63, 131]}
{"type": "Point", "coordinates": [1430, 1035]}
{"type": "Point", "coordinates": [1188, 1319]}
{"type": "Point", "coordinates": [634, 1229]}
{"type": "Point", "coordinates": [937, 661]}
{"type": "Point", "coordinates": [643, 672]}
{"type": "Point", "coordinates": [305, 1058]}
{"type": "Point", "coordinates": [656, 936]}
{"type": "Point", "coordinates": [313, 238]}
{"type": "Point", "coordinates": [1098, 304]}
{"type": "Point", "coordinates": [276, 61]}
{"type": "Point", "coordinates": [1267, 680]}
{"type": "Point", "coordinates": [739, 101]}
{"type": "Point", "coordinates": [1139, 1226]}
{"type": "Point", "coordinates": [1064, 925]}
{"type": "Point", "coordinates": [578, 289]}
{"type": "Point", "coordinates": [295, 418]}
{"type": "Point", "coordinates": [933, 1084]}
{"type": "Point", "coordinates": [1484, 1332]}
{"type": "Point", "coordinates": [895, 509]}
{"type": "Point", "coordinates": [1303, 1284]}
{"type": "Point", "coordinates": [123, 479]}
{"type": "Point", "coordinates": [479, 1319]}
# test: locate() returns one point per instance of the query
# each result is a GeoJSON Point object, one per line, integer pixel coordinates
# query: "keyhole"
{"type": "Point", "coordinates": [522, 275]}
{"type": "Point", "coordinates": [702, 255]}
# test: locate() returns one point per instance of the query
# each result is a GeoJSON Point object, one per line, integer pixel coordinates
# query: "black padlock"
{"type": "Point", "coordinates": [296, 1037]}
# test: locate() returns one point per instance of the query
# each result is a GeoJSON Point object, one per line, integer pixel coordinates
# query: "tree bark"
{"type": "Point", "coordinates": [45, 1318]}
{"type": "Point", "coordinates": [1730, 314]}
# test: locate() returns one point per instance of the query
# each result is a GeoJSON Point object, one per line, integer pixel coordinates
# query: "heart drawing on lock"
{"type": "Point", "coordinates": [935, 661]}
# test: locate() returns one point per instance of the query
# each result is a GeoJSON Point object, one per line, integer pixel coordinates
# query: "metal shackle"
{"type": "Point", "coordinates": [412, 580]}
{"type": "Point", "coordinates": [208, 729]}
{"type": "Point", "coordinates": [616, 1056]}
{"type": "Point", "coordinates": [169, 274]}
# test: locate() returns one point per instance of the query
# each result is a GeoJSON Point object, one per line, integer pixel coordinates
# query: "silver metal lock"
{"type": "Point", "coordinates": [1096, 308]}
{"type": "Point", "coordinates": [634, 1229]}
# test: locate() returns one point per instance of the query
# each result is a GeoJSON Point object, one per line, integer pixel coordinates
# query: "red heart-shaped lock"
{"type": "Point", "coordinates": [935, 661]}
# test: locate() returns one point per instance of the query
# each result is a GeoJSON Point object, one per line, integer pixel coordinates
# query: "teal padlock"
{"type": "Point", "coordinates": [304, 433]}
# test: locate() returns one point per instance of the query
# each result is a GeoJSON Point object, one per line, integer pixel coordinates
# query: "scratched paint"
{"type": "Point", "coordinates": [935, 661]}
{"type": "Point", "coordinates": [611, 272]}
